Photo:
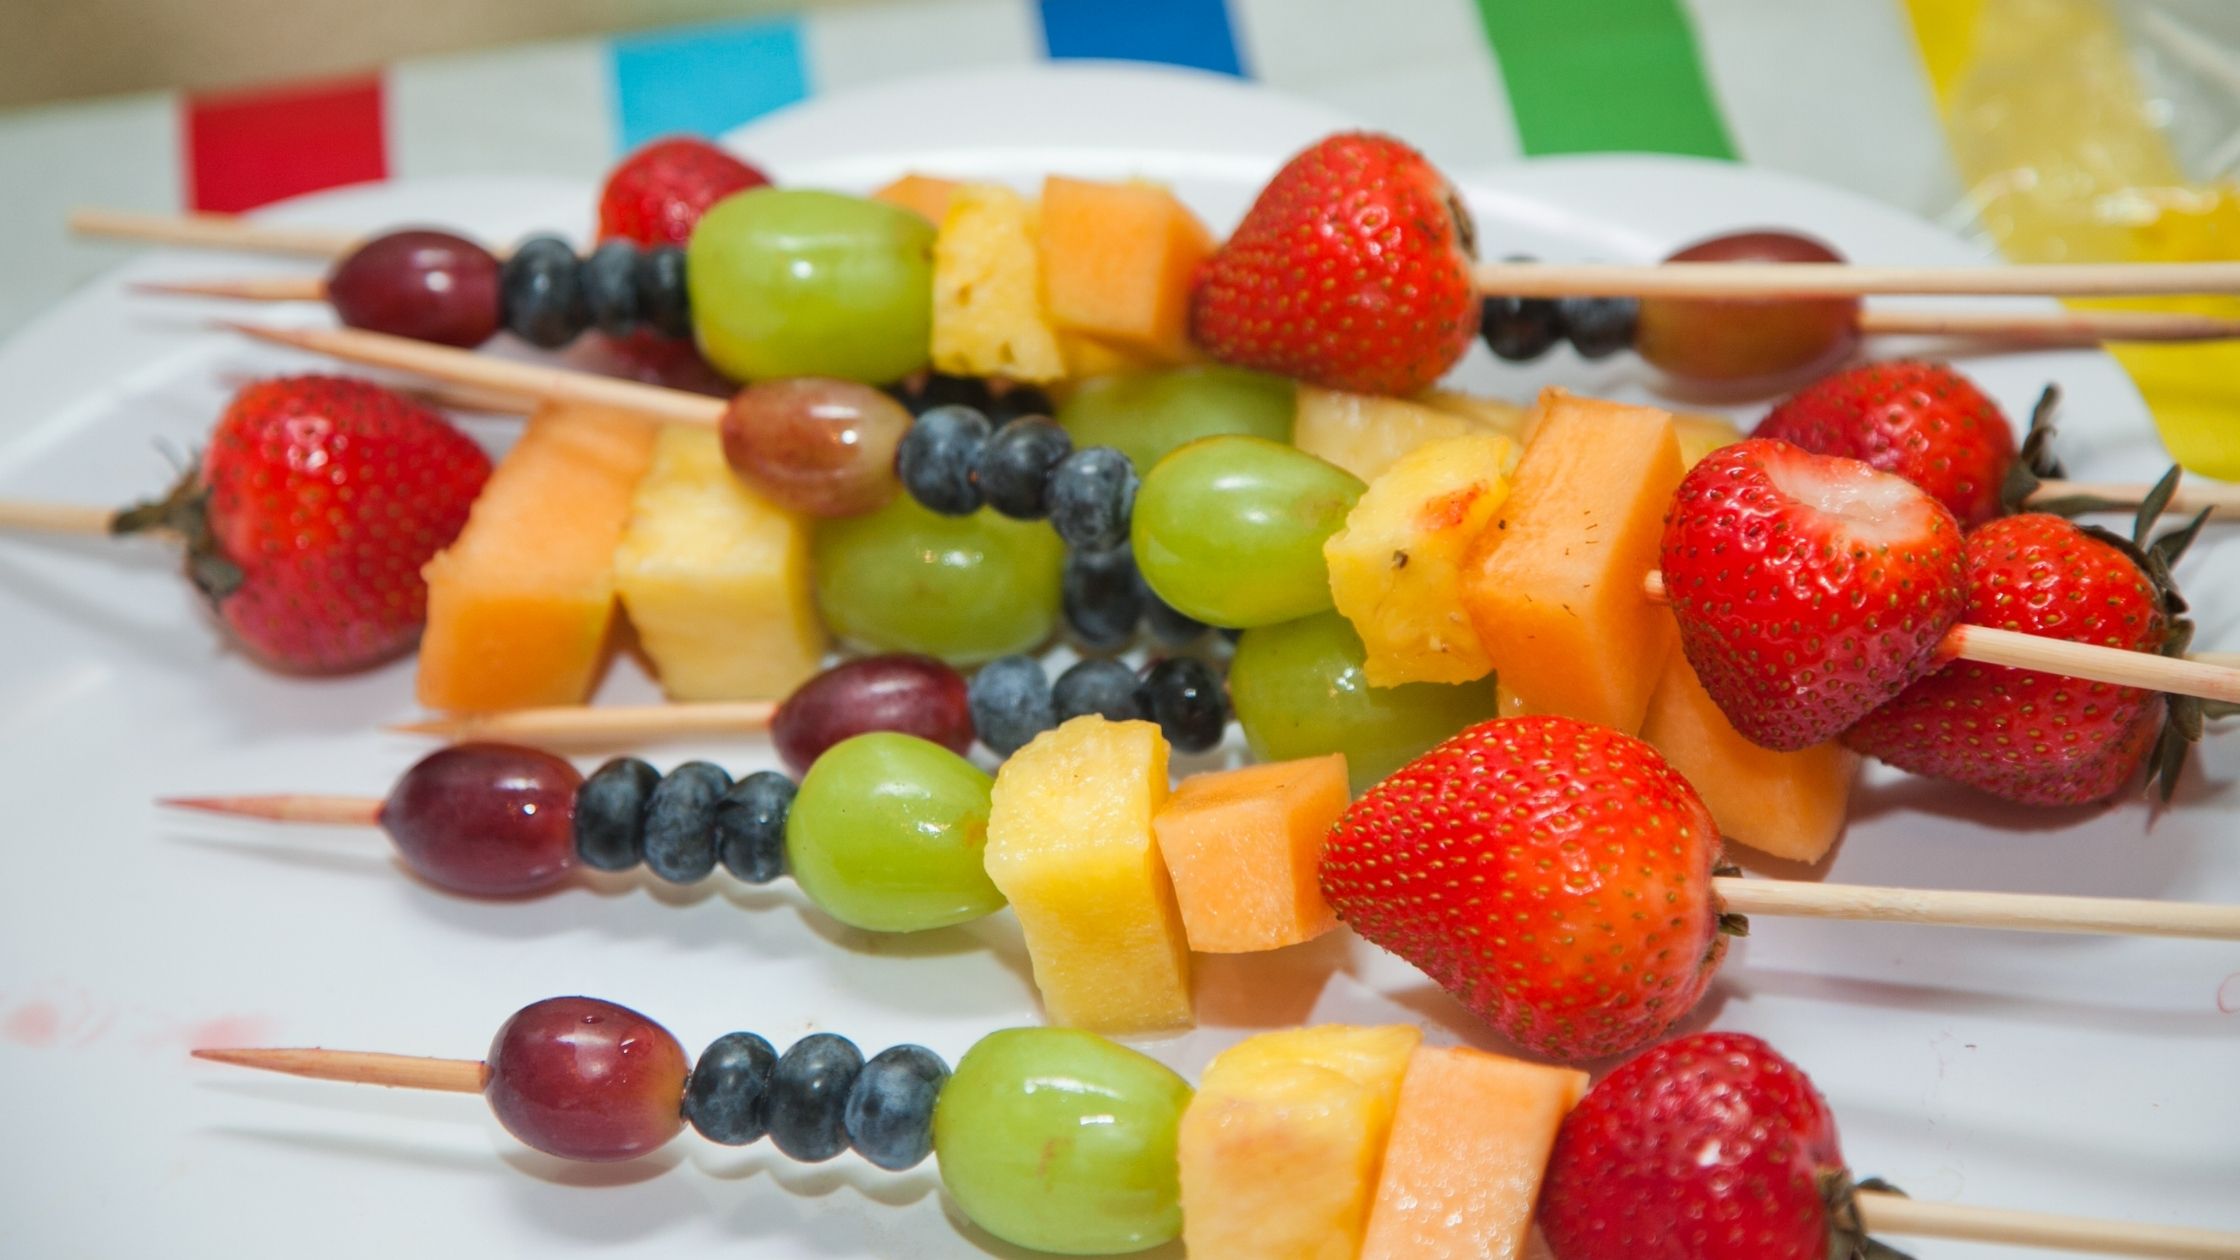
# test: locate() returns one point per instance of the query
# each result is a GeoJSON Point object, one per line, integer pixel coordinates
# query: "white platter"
{"type": "Point", "coordinates": [2070, 1074]}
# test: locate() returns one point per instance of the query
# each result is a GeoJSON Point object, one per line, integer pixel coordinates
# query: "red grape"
{"type": "Point", "coordinates": [916, 695]}
{"type": "Point", "coordinates": [429, 286]}
{"type": "Point", "coordinates": [490, 820]}
{"type": "Point", "coordinates": [819, 447]}
{"type": "Point", "coordinates": [584, 1079]}
{"type": "Point", "coordinates": [1747, 341]}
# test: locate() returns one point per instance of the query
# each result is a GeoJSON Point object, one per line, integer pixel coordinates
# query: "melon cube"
{"type": "Point", "coordinates": [1789, 804]}
{"type": "Point", "coordinates": [1470, 1140]}
{"type": "Point", "coordinates": [1396, 566]}
{"type": "Point", "coordinates": [987, 290]}
{"type": "Point", "coordinates": [1070, 843]}
{"type": "Point", "coordinates": [1117, 261]}
{"type": "Point", "coordinates": [1279, 1150]}
{"type": "Point", "coordinates": [1365, 433]}
{"type": "Point", "coordinates": [520, 604]}
{"type": "Point", "coordinates": [925, 195]}
{"type": "Point", "coordinates": [715, 577]}
{"type": "Point", "coordinates": [1245, 847]}
{"type": "Point", "coordinates": [1554, 588]}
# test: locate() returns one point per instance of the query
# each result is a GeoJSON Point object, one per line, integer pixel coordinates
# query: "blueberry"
{"type": "Point", "coordinates": [729, 1088]}
{"type": "Point", "coordinates": [1103, 597]}
{"type": "Point", "coordinates": [1010, 699]}
{"type": "Point", "coordinates": [1519, 329]}
{"type": "Point", "coordinates": [610, 287]}
{"type": "Point", "coordinates": [663, 301]}
{"type": "Point", "coordinates": [1092, 495]}
{"type": "Point", "coordinates": [1017, 401]}
{"type": "Point", "coordinates": [610, 817]}
{"type": "Point", "coordinates": [1094, 686]}
{"type": "Point", "coordinates": [750, 828]}
{"type": "Point", "coordinates": [940, 458]}
{"type": "Point", "coordinates": [1015, 466]}
{"type": "Point", "coordinates": [1598, 326]}
{"type": "Point", "coordinates": [1170, 627]}
{"type": "Point", "coordinates": [1183, 695]}
{"type": "Point", "coordinates": [889, 1116]}
{"type": "Point", "coordinates": [540, 291]}
{"type": "Point", "coordinates": [681, 822]}
{"type": "Point", "coordinates": [809, 1096]}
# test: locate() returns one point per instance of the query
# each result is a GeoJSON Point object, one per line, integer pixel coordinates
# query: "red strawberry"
{"type": "Point", "coordinates": [2043, 739]}
{"type": "Point", "coordinates": [1922, 421]}
{"type": "Point", "coordinates": [1710, 1147]}
{"type": "Point", "coordinates": [315, 507]}
{"type": "Point", "coordinates": [657, 195]}
{"type": "Point", "coordinates": [1809, 588]}
{"type": "Point", "coordinates": [1553, 875]}
{"type": "Point", "coordinates": [1351, 271]}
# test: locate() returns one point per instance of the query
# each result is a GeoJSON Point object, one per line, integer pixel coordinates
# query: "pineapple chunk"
{"type": "Point", "coordinates": [1365, 433]}
{"type": "Point", "coordinates": [1396, 566]}
{"type": "Point", "coordinates": [987, 290]}
{"type": "Point", "coordinates": [716, 578]}
{"type": "Point", "coordinates": [1070, 843]}
{"type": "Point", "coordinates": [1281, 1147]}
{"type": "Point", "coordinates": [1701, 432]}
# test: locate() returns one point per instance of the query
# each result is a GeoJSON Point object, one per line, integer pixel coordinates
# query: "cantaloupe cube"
{"type": "Point", "coordinates": [927, 195]}
{"type": "Point", "coordinates": [1470, 1139]}
{"type": "Point", "coordinates": [1117, 261]}
{"type": "Point", "coordinates": [1070, 844]}
{"type": "Point", "coordinates": [1366, 433]}
{"type": "Point", "coordinates": [1396, 565]}
{"type": "Point", "coordinates": [1555, 587]}
{"type": "Point", "coordinates": [1789, 804]}
{"type": "Point", "coordinates": [1244, 847]}
{"type": "Point", "coordinates": [716, 577]}
{"type": "Point", "coordinates": [1280, 1148]}
{"type": "Point", "coordinates": [987, 290]}
{"type": "Point", "coordinates": [520, 604]}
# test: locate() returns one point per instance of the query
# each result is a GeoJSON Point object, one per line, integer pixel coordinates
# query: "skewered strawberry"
{"type": "Point", "coordinates": [1922, 421]}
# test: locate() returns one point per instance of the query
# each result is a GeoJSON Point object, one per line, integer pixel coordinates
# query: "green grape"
{"type": "Point", "coordinates": [793, 282]}
{"type": "Point", "coordinates": [1298, 691]}
{"type": "Point", "coordinates": [1145, 415]}
{"type": "Point", "coordinates": [1230, 529]}
{"type": "Point", "coordinates": [887, 832]}
{"type": "Point", "coordinates": [964, 588]}
{"type": "Point", "coordinates": [1059, 1140]}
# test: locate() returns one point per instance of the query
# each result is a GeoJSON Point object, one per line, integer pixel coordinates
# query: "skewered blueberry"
{"type": "Point", "coordinates": [939, 459]}
{"type": "Point", "coordinates": [1183, 695]}
{"type": "Point", "coordinates": [750, 826]}
{"type": "Point", "coordinates": [725, 1096]}
{"type": "Point", "coordinates": [809, 1096]}
{"type": "Point", "coordinates": [1168, 625]}
{"type": "Point", "coordinates": [663, 301]}
{"type": "Point", "coordinates": [1104, 599]}
{"type": "Point", "coordinates": [541, 293]}
{"type": "Point", "coordinates": [1010, 699]}
{"type": "Point", "coordinates": [1092, 494]}
{"type": "Point", "coordinates": [1015, 466]}
{"type": "Point", "coordinates": [889, 1114]}
{"type": "Point", "coordinates": [1598, 326]}
{"type": "Point", "coordinates": [680, 842]}
{"type": "Point", "coordinates": [1103, 687]}
{"type": "Point", "coordinates": [610, 288]}
{"type": "Point", "coordinates": [1519, 330]}
{"type": "Point", "coordinates": [611, 814]}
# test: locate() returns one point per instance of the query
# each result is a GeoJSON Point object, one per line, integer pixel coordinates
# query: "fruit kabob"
{"type": "Point", "coordinates": [719, 280]}
{"type": "Point", "coordinates": [1594, 917]}
{"type": "Point", "coordinates": [1331, 1140]}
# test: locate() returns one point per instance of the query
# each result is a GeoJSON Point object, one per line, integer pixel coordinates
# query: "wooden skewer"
{"type": "Point", "coordinates": [1693, 280]}
{"type": "Point", "coordinates": [2051, 327]}
{"type": "Point", "coordinates": [505, 376]}
{"type": "Point", "coordinates": [213, 231]}
{"type": "Point", "coordinates": [2034, 327]}
{"type": "Point", "coordinates": [2181, 676]}
{"type": "Point", "coordinates": [1884, 1213]}
{"type": "Point", "coordinates": [1879, 1211]}
{"type": "Point", "coordinates": [583, 723]}
{"type": "Point", "coordinates": [56, 518]}
{"type": "Point", "coordinates": [2011, 912]}
{"type": "Point", "coordinates": [562, 385]}
{"type": "Point", "coordinates": [1768, 280]}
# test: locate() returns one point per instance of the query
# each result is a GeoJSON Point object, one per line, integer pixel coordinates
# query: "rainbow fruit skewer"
{"type": "Point", "coordinates": [579, 1078]}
